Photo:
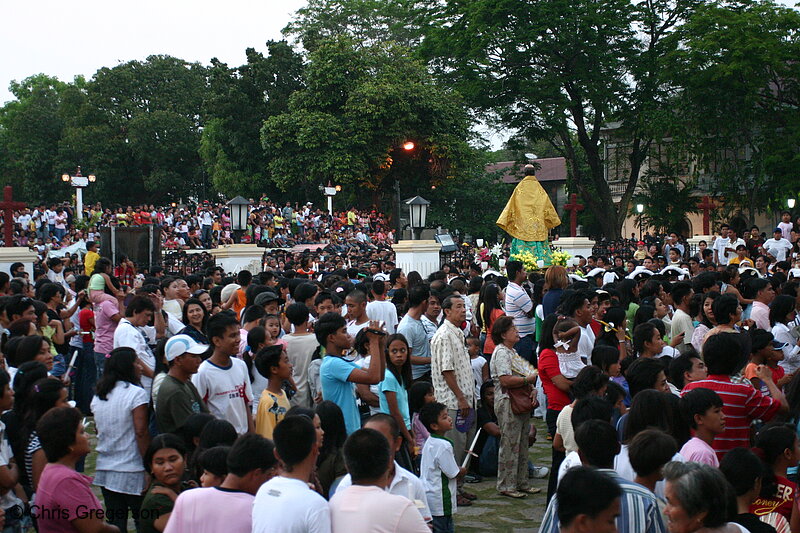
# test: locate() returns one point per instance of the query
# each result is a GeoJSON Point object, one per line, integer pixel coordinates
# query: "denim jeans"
{"type": "Point", "coordinates": [119, 506]}
{"type": "Point", "coordinates": [205, 231]}
{"type": "Point", "coordinates": [86, 377]}
{"type": "Point", "coordinates": [487, 463]}
{"type": "Point", "coordinates": [99, 363]}
{"type": "Point", "coordinates": [443, 524]}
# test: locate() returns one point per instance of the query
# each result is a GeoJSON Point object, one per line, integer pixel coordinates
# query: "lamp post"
{"type": "Point", "coordinates": [79, 181]}
{"type": "Point", "coordinates": [330, 191]}
{"type": "Point", "coordinates": [640, 210]}
{"type": "Point", "coordinates": [418, 213]}
{"type": "Point", "coordinates": [239, 213]}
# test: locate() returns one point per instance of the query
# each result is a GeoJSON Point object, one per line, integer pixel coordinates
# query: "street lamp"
{"type": "Point", "coordinates": [640, 210]}
{"type": "Point", "coordinates": [418, 212]}
{"type": "Point", "coordinates": [239, 214]}
{"type": "Point", "coordinates": [790, 202]}
{"type": "Point", "coordinates": [79, 181]}
{"type": "Point", "coordinates": [330, 191]}
{"type": "Point", "coordinates": [408, 146]}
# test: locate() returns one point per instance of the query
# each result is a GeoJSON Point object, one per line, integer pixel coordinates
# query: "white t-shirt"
{"type": "Point", "coordinates": [284, 505]}
{"type": "Point", "coordinates": [386, 311]}
{"type": "Point", "coordinates": [210, 510]}
{"type": "Point", "coordinates": [130, 336]}
{"type": "Point", "coordinates": [477, 369]}
{"type": "Point", "coordinates": [300, 349]}
{"type": "Point", "coordinates": [719, 246]}
{"type": "Point", "coordinates": [117, 450]}
{"type": "Point", "coordinates": [733, 244]}
{"type": "Point", "coordinates": [438, 472]}
{"type": "Point", "coordinates": [226, 391]}
{"type": "Point", "coordinates": [777, 248]}
{"type": "Point", "coordinates": [368, 509]}
{"type": "Point", "coordinates": [9, 499]}
{"type": "Point", "coordinates": [353, 328]}
{"type": "Point", "coordinates": [586, 343]}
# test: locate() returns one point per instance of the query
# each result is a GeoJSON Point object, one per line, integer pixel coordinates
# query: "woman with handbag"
{"type": "Point", "coordinates": [515, 398]}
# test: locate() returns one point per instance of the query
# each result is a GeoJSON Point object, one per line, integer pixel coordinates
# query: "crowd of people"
{"type": "Point", "coordinates": [205, 226]}
{"type": "Point", "coordinates": [336, 392]}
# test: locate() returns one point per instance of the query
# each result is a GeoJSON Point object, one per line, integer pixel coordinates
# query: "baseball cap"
{"type": "Point", "coordinates": [178, 345]}
{"type": "Point", "coordinates": [778, 345]}
{"type": "Point", "coordinates": [266, 297]}
{"type": "Point", "coordinates": [640, 243]}
{"type": "Point", "coordinates": [776, 230]}
{"type": "Point", "coordinates": [227, 290]}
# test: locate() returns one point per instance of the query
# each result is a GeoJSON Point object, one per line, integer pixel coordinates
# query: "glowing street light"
{"type": "Point", "coordinates": [79, 181]}
{"type": "Point", "coordinates": [408, 146]}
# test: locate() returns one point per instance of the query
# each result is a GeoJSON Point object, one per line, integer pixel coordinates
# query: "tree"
{"type": "Point", "coordinates": [739, 103]}
{"type": "Point", "coordinates": [350, 122]}
{"type": "Point", "coordinates": [666, 200]}
{"type": "Point", "coordinates": [30, 128]}
{"type": "Point", "coordinates": [561, 70]}
{"type": "Point", "coordinates": [238, 102]}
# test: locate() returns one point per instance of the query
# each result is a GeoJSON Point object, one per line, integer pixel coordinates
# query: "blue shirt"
{"type": "Point", "coordinates": [390, 384]}
{"type": "Point", "coordinates": [334, 374]}
{"type": "Point", "coordinates": [414, 332]}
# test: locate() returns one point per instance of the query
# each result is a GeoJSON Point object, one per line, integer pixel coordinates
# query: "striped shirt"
{"type": "Point", "coordinates": [518, 304]}
{"type": "Point", "coordinates": [638, 509]}
{"type": "Point", "coordinates": [741, 404]}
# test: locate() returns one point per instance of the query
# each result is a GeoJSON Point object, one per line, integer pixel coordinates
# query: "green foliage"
{"type": "Point", "coordinates": [666, 200]}
{"type": "Point", "coordinates": [349, 122]}
{"type": "Point", "coordinates": [739, 107]}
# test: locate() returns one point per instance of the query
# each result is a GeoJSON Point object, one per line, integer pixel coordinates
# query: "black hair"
{"type": "Point", "coordinates": [217, 433]}
{"type": "Point", "coordinates": [251, 452]}
{"type": "Point", "coordinates": [331, 420]}
{"type": "Point", "coordinates": [162, 442]}
{"type": "Point", "coordinates": [650, 408]}
{"type": "Point", "coordinates": [416, 395]}
{"type": "Point", "coordinates": [513, 268]}
{"type": "Point", "coordinates": [614, 393]}
{"type": "Point", "coordinates": [328, 324]}
{"type": "Point", "coordinates": [389, 420]}
{"type": "Point", "coordinates": [723, 352]}
{"type": "Point", "coordinates": [597, 443]}
{"type": "Point", "coordinates": [253, 313]}
{"type": "Point", "coordinates": [49, 290]}
{"type": "Point", "coordinates": [297, 313]}
{"type": "Point", "coordinates": [294, 437]}
{"type": "Point", "coordinates": [219, 324]}
{"type": "Point", "coordinates": [192, 427]}
{"type": "Point", "coordinates": [771, 442]}
{"type": "Point", "coordinates": [572, 491]}
{"type": "Point", "coordinates": [641, 334]}
{"type": "Point", "coordinates": [418, 294]}
{"type": "Point", "coordinates": [304, 291]}
{"type": "Point", "coordinates": [754, 285]}
{"type": "Point", "coordinates": [649, 450]}
{"type": "Point", "coordinates": [780, 308]}
{"type": "Point", "coordinates": [25, 349]}
{"type": "Point", "coordinates": [642, 374]}
{"type": "Point", "coordinates": [679, 366]}
{"type": "Point", "coordinates": [589, 380]}
{"type": "Point", "coordinates": [697, 402]}
{"type": "Point", "coordinates": [604, 356]}
{"type": "Point", "coordinates": [118, 366]}
{"type": "Point", "coordinates": [267, 358]}
{"type": "Point", "coordinates": [215, 460]}
{"type": "Point", "coordinates": [724, 308]}
{"type": "Point", "coordinates": [741, 467]}
{"type": "Point", "coordinates": [402, 374]}
{"type": "Point", "coordinates": [366, 455]}
{"type": "Point", "coordinates": [429, 414]}
{"type": "Point", "coordinates": [255, 338]}
{"type": "Point", "coordinates": [56, 430]}
{"type": "Point", "coordinates": [590, 408]}
{"type": "Point", "coordinates": [17, 305]}
{"type": "Point", "coordinates": [206, 314]}
{"type": "Point", "coordinates": [139, 304]}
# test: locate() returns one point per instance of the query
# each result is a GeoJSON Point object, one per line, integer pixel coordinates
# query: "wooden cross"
{"type": "Point", "coordinates": [573, 207]}
{"type": "Point", "coordinates": [706, 206]}
{"type": "Point", "coordinates": [8, 206]}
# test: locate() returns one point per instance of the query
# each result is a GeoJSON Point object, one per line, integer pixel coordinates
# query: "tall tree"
{"type": "Point", "coordinates": [238, 102]}
{"type": "Point", "coordinates": [351, 121]}
{"type": "Point", "coordinates": [739, 104]}
{"type": "Point", "coordinates": [561, 71]}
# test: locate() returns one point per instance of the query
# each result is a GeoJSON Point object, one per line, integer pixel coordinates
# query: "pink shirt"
{"type": "Point", "coordinates": [367, 508]}
{"type": "Point", "coordinates": [760, 315]}
{"type": "Point", "coordinates": [62, 496]}
{"type": "Point", "coordinates": [104, 326]}
{"type": "Point", "coordinates": [210, 510]}
{"type": "Point", "coordinates": [698, 451]}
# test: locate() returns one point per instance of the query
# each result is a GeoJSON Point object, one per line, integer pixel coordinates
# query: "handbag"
{"type": "Point", "coordinates": [521, 401]}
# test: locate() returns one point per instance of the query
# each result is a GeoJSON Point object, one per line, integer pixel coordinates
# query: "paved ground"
{"type": "Point", "coordinates": [499, 514]}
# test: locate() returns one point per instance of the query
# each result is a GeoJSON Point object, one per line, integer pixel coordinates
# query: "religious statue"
{"type": "Point", "coordinates": [528, 216]}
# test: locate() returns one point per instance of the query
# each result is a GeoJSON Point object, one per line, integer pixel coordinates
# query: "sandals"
{"type": "Point", "coordinates": [531, 490]}
{"type": "Point", "coordinates": [513, 494]}
{"type": "Point", "coordinates": [462, 501]}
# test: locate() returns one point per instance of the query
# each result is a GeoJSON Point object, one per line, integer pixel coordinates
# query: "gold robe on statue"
{"type": "Point", "coordinates": [529, 214]}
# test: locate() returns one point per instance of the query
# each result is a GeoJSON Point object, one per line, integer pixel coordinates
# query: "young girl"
{"type": "Point", "coordinates": [272, 323]}
{"type": "Point", "coordinates": [566, 334]}
{"type": "Point", "coordinates": [607, 358]}
{"type": "Point", "coordinates": [420, 393]}
{"type": "Point", "coordinates": [257, 338]}
{"type": "Point", "coordinates": [393, 393]}
{"type": "Point", "coordinates": [101, 288]}
{"type": "Point", "coordinates": [777, 447]}
{"type": "Point", "coordinates": [764, 353]}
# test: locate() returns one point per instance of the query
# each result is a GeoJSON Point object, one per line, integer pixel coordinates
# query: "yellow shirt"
{"type": "Point", "coordinates": [88, 262]}
{"type": "Point", "coordinates": [271, 410]}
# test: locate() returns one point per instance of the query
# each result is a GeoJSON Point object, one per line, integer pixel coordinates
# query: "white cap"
{"type": "Point", "coordinates": [178, 345]}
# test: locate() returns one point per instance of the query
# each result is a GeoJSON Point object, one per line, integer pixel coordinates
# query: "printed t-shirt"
{"type": "Point", "coordinates": [271, 410]}
{"type": "Point", "coordinates": [226, 391]}
{"type": "Point", "coordinates": [781, 502]}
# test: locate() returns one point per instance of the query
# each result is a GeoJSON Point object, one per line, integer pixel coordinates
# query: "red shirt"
{"type": "Point", "coordinates": [548, 369]}
{"type": "Point", "coordinates": [781, 502]}
{"type": "Point", "coordinates": [85, 318]}
{"type": "Point", "coordinates": [741, 404]}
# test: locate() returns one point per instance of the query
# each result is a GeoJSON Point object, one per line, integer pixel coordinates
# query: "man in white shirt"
{"type": "Point", "coordinates": [682, 327]}
{"type": "Point", "coordinates": [720, 243]}
{"type": "Point", "coordinates": [357, 318]}
{"type": "Point", "coordinates": [400, 481]}
{"type": "Point", "coordinates": [285, 503]}
{"type": "Point", "coordinates": [519, 306]}
{"type": "Point", "coordinates": [130, 333]}
{"type": "Point", "coordinates": [734, 241]}
{"type": "Point", "coordinates": [579, 307]}
{"type": "Point", "coordinates": [366, 506]}
{"type": "Point", "coordinates": [380, 309]}
{"type": "Point", "coordinates": [777, 246]}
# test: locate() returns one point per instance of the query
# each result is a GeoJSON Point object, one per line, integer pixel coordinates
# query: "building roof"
{"type": "Point", "coordinates": [550, 169]}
